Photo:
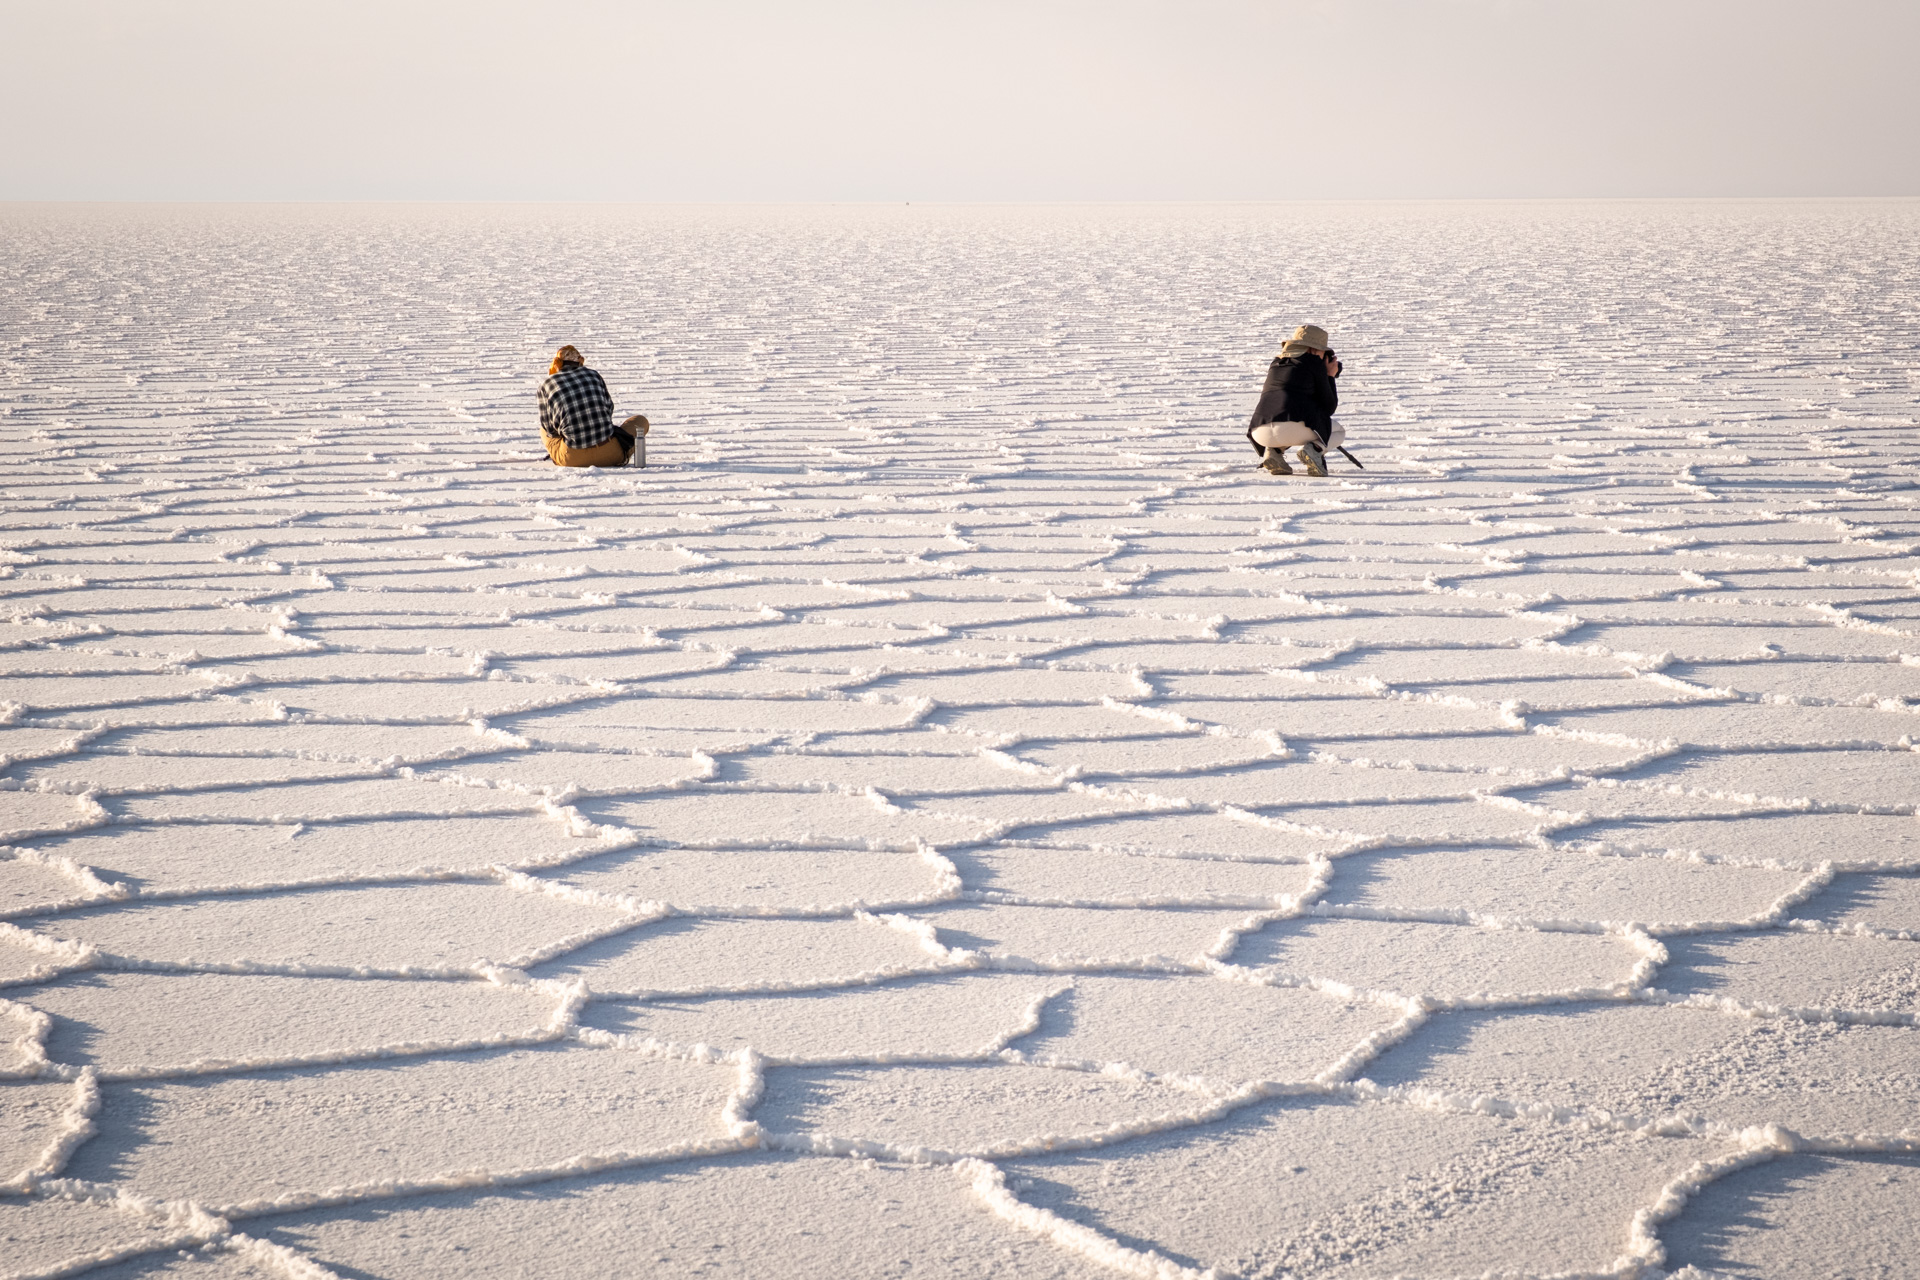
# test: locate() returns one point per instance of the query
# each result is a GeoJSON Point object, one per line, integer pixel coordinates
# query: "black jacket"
{"type": "Point", "coordinates": [1298, 390]}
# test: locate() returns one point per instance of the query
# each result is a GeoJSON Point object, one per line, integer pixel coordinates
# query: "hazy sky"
{"type": "Point", "coordinates": [944, 100]}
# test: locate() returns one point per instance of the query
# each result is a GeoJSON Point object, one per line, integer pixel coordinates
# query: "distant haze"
{"type": "Point", "coordinates": [975, 100]}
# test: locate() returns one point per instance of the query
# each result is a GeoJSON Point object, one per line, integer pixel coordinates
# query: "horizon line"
{"type": "Point", "coordinates": [948, 203]}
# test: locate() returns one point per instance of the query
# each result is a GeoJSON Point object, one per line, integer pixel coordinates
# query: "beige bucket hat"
{"type": "Point", "coordinates": [1308, 337]}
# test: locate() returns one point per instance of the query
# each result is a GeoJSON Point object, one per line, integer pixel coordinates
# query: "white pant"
{"type": "Point", "coordinates": [1284, 435]}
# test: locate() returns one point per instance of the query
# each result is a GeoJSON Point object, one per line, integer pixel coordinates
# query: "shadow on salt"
{"type": "Point", "coordinates": [46, 1236]}
{"type": "Point", "coordinates": [1641, 1062]}
{"type": "Point", "coordinates": [1069, 877]}
{"type": "Point", "coordinates": [429, 928]}
{"type": "Point", "coordinates": [723, 819]}
{"type": "Point", "coordinates": [1806, 971]}
{"type": "Point", "coordinates": [141, 1024]}
{"type": "Point", "coordinates": [789, 881]}
{"type": "Point", "coordinates": [746, 1215]}
{"type": "Point", "coordinates": [1312, 1187]}
{"type": "Point", "coordinates": [1435, 821]}
{"type": "Point", "coordinates": [935, 1018]}
{"type": "Point", "coordinates": [1783, 1218]}
{"type": "Point", "coordinates": [988, 1110]}
{"type": "Point", "coordinates": [183, 856]}
{"type": "Point", "coordinates": [247, 1142]}
{"type": "Point", "coordinates": [1875, 903]}
{"type": "Point", "coordinates": [1443, 962]}
{"type": "Point", "coordinates": [1560, 884]}
{"type": "Point", "coordinates": [1794, 839]}
{"type": "Point", "coordinates": [320, 801]}
{"type": "Point", "coordinates": [1734, 725]}
{"type": "Point", "coordinates": [702, 956]}
{"type": "Point", "coordinates": [1068, 937]}
{"type": "Point", "coordinates": [1222, 1031]}
{"type": "Point", "coordinates": [1184, 833]}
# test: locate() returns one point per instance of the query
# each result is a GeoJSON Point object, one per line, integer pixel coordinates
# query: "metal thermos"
{"type": "Point", "coordinates": [637, 425]}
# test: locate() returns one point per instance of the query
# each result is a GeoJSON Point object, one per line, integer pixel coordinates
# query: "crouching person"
{"type": "Point", "coordinates": [576, 417]}
{"type": "Point", "coordinates": [1297, 403]}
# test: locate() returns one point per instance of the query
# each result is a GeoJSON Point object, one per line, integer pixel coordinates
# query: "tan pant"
{"type": "Point", "coordinates": [1284, 435]}
{"type": "Point", "coordinates": [607, 454]}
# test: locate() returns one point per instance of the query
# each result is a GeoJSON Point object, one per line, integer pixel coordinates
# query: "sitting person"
{"type": "Point", "coordinates": [1297, 403]}
{"type": "Point", "coordinates": [576, 416]}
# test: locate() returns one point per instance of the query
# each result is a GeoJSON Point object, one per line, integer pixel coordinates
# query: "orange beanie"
{"type": "Point", "coordinates": [567, 355]}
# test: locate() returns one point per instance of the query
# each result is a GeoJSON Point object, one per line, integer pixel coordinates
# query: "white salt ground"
{"type": "Point", "coordinates": [951, 814]}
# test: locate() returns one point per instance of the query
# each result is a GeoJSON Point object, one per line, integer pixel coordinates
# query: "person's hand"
{"type": "Point", "coordinates": [1333, 366]}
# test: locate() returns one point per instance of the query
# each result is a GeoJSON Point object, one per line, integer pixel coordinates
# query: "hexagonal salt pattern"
{"type": "Point", "coordinates": [951, 814]}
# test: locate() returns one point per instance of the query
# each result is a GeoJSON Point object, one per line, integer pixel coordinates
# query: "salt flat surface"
{"type": "Point", "coordinates": [951, 814]}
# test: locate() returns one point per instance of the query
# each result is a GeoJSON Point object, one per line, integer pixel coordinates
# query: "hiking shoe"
{"type": "Point", "coordinates": [1276, 463]}
{"type": "Point", "coordinates": [1315, 458]}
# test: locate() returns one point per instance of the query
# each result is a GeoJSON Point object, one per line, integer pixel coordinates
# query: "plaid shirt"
{"type": "Point", "coordinates": [575, 406]}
